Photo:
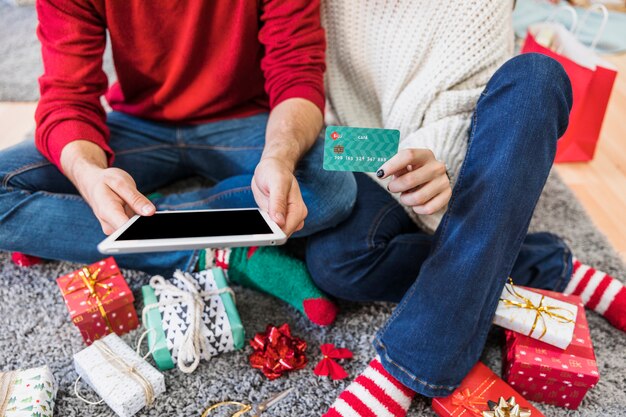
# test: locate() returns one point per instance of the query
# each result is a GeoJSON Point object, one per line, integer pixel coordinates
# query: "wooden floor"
{"type": "Point", "coordinates": [600, 184]}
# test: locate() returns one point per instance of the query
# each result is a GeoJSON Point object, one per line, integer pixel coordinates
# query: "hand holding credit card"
{"type": "Point", "coordinates": [358, 149]}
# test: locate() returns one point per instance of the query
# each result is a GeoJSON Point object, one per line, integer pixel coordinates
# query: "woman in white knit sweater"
{"type": "Point", "coordinates": [478, 138]}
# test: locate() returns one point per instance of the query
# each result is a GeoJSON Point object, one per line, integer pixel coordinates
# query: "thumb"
{"type": "Point", "coordinates": [278, 201]}
{"type": "Point", "coordinates": [137, 201]}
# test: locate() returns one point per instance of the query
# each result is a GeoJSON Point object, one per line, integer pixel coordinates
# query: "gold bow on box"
{"type": "Point", "coordinates": [92, 280]}
{"type": "Point", "coordinates": [506, 408]}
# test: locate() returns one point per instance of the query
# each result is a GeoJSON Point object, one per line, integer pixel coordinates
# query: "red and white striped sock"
{"type": "Point", "coordinates": [374, 393]}
{"type": "Point", "coordinates": [220, 257]}
{"type": "Point", "coordinates": [600, 292]}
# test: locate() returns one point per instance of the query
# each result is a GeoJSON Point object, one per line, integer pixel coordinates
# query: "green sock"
{"type": "Point", "coordinates": [271, 270]}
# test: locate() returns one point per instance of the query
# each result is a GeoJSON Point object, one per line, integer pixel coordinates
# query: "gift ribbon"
{"type": "Point", "coordinates": [540, 310]}
{"type": "Point", "coordinates": [118, 362]}
{"type": "Point", "coordinates": [277, 351]}
{"type": "Point", "coordinates": [91, 283]}
{"type": "Point", "coordinates": [465, 399]}
{"type": "Point", "coordinates": [193, 341]}
{"type": "Point", "coordinates": [6, 389]}
{"type": "Point", "coordinates": [328, 366]}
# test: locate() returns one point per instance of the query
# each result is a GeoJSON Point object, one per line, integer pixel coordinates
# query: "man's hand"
{"type": "Point", "coordinates": [276, 191]}
{"type": "Point", "coordinates": [110, 192]}
{"type": "Point", "coordinates": [420, 179]}
{"type": "Point", "coordinates": [292, 128]}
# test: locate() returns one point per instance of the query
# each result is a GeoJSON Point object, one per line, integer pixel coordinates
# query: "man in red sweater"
{"type": "Point", "coordinates": [231, 90]}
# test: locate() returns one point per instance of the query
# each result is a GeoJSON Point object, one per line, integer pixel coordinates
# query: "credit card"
{"type": "Point", "coordinates": [358, 149]}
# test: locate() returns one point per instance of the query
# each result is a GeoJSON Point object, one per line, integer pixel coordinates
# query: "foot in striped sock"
{"type": "Point", "coordinates": [600, 292]}
{"type": "Point", "coordinates": [374, 393]}
{"type": "Point", "coordinates": [273, 271]}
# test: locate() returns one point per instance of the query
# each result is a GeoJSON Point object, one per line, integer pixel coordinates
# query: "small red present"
{"type": "Point", "coordinates": [478, 388]}
{"type": "Point", "coordinates": [21, 259]}
{"type": "Point", "coordinates": [547, 374]}
{"type": "Point", "coordinates": [99, 300]}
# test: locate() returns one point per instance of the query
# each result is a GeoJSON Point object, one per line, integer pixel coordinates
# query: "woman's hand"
{"type": "Point", "coordinates": [420, 179]}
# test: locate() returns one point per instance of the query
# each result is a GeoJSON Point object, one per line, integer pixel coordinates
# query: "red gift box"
{"type": "Point", "coordinates": [99, 300]}
{"type": "Point", "coordinates": [547, 374]}
{"type": "Point", "coordinates": [470, 398]}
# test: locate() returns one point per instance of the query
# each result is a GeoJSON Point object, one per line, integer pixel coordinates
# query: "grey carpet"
{"type": "Point", "coordinates": [20, 54]}
{"type": "Point", "coordinates": [35, 330]}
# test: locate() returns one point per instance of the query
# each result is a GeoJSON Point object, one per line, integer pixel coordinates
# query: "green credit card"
{"type": "Point", "coordinates": [358, 149]}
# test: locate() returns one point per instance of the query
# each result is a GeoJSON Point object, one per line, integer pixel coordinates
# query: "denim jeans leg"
{"type": "Point", "coordinates": [374, 255]}
{"type": "Point", "coordinates": [438, 331]}
{"type": "Point", "coordinates": [544, 262]}
{"type": "Point", "coordinates": [377, 252]}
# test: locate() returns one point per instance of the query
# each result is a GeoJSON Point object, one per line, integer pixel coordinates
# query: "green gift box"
{"type": "Point", "coordinates": [169, 318]}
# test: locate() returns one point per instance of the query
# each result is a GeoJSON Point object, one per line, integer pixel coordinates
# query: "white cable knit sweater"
{"type": "Point", "coordinates": [414, 65]}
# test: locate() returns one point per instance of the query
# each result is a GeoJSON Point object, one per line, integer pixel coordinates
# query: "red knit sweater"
{"type": "Point", "coordinates": [180, 61]}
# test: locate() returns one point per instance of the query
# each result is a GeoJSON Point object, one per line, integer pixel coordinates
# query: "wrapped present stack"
{"type": "Point", "coordinates": [29, 392]}
{"type": "Point", "coordinates": [99, 300]}
{"type": "Point", "coordinates": [548, 356]}
{"type": "Point", "coordinates": [123, 379]}
{"type": "Point", "coordinates": [482, 393]}
{"type": "Point", "coordinates": [547, 374]}
{"type": "Point", "coordinates": [178, 334]}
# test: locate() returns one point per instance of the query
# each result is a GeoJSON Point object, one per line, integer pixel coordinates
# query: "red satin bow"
{"type": "Point", "coordinates": [464, 399]}
{"type": "Point", "coordinates": [329, 367]}
{"type": "Point", "coordinates": [276, 351]}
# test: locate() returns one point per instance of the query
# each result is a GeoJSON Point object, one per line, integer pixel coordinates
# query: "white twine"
{"type": "Point", "coordinates": [112, 358]}
{"type": "Point", "coordinates": [193, 342]}
{"type": "Point", "coordinates": [6, 388]}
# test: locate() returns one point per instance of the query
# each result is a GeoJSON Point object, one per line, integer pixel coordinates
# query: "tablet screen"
{"type": "Point", "coordinates": [183, 224]}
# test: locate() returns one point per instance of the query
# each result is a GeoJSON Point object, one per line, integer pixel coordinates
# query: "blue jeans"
{"type": "Point", "coordinates": [448, 285]}
{"type": "Point", "coordinates": [42, 214]}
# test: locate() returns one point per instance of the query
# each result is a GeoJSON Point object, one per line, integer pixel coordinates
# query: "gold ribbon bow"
{"type": "Point", "coordinates": [540, 310]}
{"type": "Point", "coordinates": [506, 408]}
{"type": "Point", "coordinates": [465, 399]}
{"type": "Point", "coordinates": [92, 282]}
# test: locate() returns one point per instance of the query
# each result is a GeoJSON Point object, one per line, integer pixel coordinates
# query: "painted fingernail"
{"type": "Point", "coordinates": [380, 173]}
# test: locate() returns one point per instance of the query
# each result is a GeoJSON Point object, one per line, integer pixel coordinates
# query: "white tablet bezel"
{"type": "Point", "coordinates": [110, 246]}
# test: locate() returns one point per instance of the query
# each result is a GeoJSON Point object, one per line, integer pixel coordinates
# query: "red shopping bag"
{"type": "Point", "coordinates": [592, 81]}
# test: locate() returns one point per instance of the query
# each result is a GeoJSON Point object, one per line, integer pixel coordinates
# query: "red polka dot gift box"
{"type": "Point", "coordinates": [99, 300]}
{"type": "Point", "coordinates": [547, 374]}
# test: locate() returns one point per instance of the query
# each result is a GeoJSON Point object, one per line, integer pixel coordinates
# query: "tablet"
{"type": "Point", "coordinates": [194, 229]}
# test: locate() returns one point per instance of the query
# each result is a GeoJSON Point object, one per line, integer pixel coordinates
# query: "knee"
{"type": "Point", "coordinates": [541, 85]}
{"type": "Point", "coordinates": [538, 75]}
